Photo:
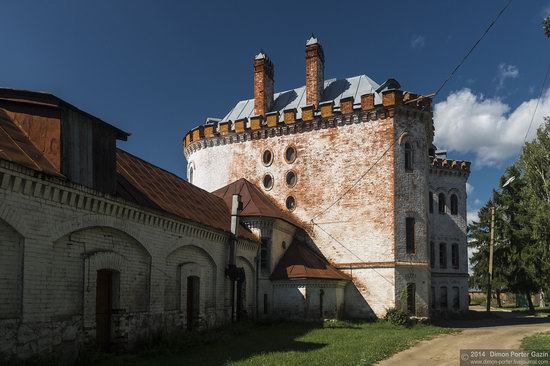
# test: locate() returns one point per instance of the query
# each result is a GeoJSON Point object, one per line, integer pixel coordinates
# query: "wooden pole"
{"type": "Point", "coordinates": [491, 244]}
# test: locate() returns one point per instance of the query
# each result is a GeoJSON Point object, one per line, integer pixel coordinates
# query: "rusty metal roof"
{"type": "Point", "coordinates": [16, 147]}
{"type": "Point", "coordinates": [148, 185]}
{"type": "Point", "coordinates": [300, 261]}
{"type": "Point", "coordinates": [255, 202]}
{"type": "Point", "coordinates": [49, 100]}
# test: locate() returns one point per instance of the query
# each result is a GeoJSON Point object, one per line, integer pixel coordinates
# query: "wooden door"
{"type": "Point", "coordinates": [193, 301]}
{"type": "Point", "coordinates": [104, 301]}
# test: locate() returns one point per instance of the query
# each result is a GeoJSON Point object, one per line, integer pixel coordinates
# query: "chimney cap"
{"type": "Point", "coordinates": [261, 55]}
{"type": "Point", "coordinates": [312, 40]}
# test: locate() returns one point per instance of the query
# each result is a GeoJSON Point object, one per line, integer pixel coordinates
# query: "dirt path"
{"type": "Point", "coordinates": [504, 332]}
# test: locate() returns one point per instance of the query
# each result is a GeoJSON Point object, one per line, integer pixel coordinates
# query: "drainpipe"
{"type": "Point", "coordinates": [231, 271]}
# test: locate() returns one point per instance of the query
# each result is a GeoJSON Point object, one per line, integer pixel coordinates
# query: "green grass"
{"type": "Point", "coordinates": [536, 342]}
{"type": "Point", "coordinates": [331, 343]}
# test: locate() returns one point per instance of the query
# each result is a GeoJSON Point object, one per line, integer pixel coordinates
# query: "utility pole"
{"type": "Point", "coordinates": [491, 244]}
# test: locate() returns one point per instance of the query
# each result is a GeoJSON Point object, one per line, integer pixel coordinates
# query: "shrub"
{"type": "Point", "coordinates": [397, 316]}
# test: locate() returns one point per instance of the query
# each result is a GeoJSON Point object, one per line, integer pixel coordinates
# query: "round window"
{"type": "Point", "coordinates": [290, 154]}
{"type": "Point", "coordinates": [290, 203]}
{"type": "Point", "coordinates": [290, 178]}
{"type": "Point", "coordinates": [267, 157]}
{"type": "Point", "coordinates": [268, 181]}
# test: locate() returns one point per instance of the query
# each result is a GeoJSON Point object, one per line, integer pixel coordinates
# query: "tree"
{"type": "Point", "coordinates": [546, 26]}
{"type": "Point", "coordinates": [535, 165]}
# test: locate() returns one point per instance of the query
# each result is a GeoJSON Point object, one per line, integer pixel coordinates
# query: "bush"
{"type": "Point", "coordinates": [397, 317]}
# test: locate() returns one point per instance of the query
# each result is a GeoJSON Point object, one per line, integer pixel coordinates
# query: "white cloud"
{"type": "Point", "coordinates": [469, 188]}
{"type": "Point", "coordinates": [418, 42]}
{"type": "Point", "coordinates": [505, 72]}
{"type": "Point", "coordinates": [477, 202]}
{"type": "Point", "coordinates": [486, 127]}
{"type": "Point", "coordinates": [472, 216]}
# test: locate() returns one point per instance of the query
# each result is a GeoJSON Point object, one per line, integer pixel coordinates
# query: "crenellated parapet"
{"type": "Point", "coordinates": [449, 166]}
{"type": "Point", "coordinates": [326, 115]}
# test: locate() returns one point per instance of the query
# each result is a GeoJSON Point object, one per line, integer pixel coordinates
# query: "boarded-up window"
{"type": "Point", "coordinates": [442, 255]}
{"type": "Point", "coordinates": [411, 301]}
{"type": "Point", "coordinates": [432, 254]}
{"type": "Point", "coordinates": [443, 297]}
{"type": "Point", "coordinates": [456, 298]}
{"type": "Point", "coordinates": [441, 202]}
{"type": "Point", "coordinates": [410, 240]}
{"type": "Point", "coordinates": [454, 204]}
{"type": "Point", "coordinates": [408, 157]}
{"type": "Point", "coordinates": [454, 255]}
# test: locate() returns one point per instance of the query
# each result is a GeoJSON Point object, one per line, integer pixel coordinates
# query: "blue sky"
{"type": "Point", "coordinates": [158, 68]}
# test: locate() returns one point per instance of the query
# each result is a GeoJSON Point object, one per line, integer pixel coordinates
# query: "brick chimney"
{"type": "Point", "coordinates": [315, 71]}
{"type": "Point", "coordinates": [263, 84]}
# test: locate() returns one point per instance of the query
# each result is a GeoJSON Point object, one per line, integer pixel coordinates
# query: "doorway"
{"type": "Point", "coordinates": [104, 308]}
{"type": "Point", "coordinates": [193, 301]}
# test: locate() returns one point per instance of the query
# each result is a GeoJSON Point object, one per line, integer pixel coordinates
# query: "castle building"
{"type": "Point", "coordinates": [352, 166]}
{"type": "Point", "coordinates": [324, 201]}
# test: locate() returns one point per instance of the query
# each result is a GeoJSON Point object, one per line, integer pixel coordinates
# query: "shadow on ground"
{"type": "Point", "coordinates": [478, 318]}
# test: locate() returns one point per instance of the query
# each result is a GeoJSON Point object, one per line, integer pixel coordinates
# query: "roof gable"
{"type": "Point", "coordinates": [300, 261]}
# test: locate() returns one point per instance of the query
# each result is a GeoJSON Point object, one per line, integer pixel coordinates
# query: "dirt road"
{"type": "Point", "coordinates": [504, 332]}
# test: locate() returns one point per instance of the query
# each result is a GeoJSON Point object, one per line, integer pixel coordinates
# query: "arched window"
{"type": "Point", "coordinates": [441, 202]}
{"type": "Point", "coordinates": [408, 157]}
{"type": "Point", "coordinates": [454, 204]}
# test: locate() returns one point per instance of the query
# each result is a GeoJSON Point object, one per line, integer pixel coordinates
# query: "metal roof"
{"type": "Point", "coordinates": [255, 202]}
{"type": "Point", "coordinates": [16, 147]}
{"type": "Point", "coordinates": [148, 185]}
{"type": "Point", "coordinates": [300, 261]}
{"type": "Point", "coordinates": [335, 90]}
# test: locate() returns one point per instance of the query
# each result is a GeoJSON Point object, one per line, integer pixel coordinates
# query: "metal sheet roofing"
{"type": "Point", "coordinates": [300, 261]}
{"type": "Point", "coordinates": [148, 185]}
{"type": "Point", "coordinates": [255, 202]}
{"type": "Point", "coordinates": [16, 147]}
{"type": "Point", "coordinates": [335, 90]}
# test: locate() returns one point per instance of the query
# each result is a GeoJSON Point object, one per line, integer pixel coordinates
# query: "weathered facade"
{"type": "Point", "coordinates": [103, 255]}
{"type": "Point", "coordinates": [353, 163]}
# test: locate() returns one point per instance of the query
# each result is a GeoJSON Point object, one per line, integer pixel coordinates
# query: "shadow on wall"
{"type": "Point", "coordinates": [355, 305]}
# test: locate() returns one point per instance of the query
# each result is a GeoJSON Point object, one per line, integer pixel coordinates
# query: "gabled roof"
{"type": "Point", "coordinates": [147, 185]}
{"type": "Point", "coordinates": [335, 89]}
{"type": "Point", "coordinates": [300, 261]}
{"type": "Point", "coordinates": [255, 202]}
{"type": "Point", "coordinates": [15, 146]}
{"type": "Point", "coordinates": [49, 100]}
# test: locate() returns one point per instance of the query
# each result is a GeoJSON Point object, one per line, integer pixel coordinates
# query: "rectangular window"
{"type": "Point", "coordinates": [264, 254]}
{"type": "Point", "coordinates": [411, 301]}
{"type": "Point", "coordinates": [409, 232]}
{"type": "Point", "coordinates": [454, 256]}
{"type": "Point", "coordinates": [432, 254]}
{"type": "Point", "coordinates": [456, 298]}
{"type": "Point", "coordinates": [443, 297]}
{"type": "Point", "coordinates": [265, 304]}
{"type": "Point", "coordinates": [442, 255]}
{"type": "Point", "coordinates": [433, 298]}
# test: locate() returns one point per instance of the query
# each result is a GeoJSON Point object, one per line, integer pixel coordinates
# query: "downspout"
{"type": "Point", "coordinates": [231, 271]}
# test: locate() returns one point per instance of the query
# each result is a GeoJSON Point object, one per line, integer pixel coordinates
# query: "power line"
{"type": "Point", "coordinates": [537, 105]}
{"type": "Point", "coordinates": [358, 180]}
{"type": "Point", "coordinates": [349, 250]}
{"type": "Point", "coordinates": [473, 47]}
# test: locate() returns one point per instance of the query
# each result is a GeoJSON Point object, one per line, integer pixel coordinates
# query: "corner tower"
{"type": "Point", "coordinates": [352, 168]}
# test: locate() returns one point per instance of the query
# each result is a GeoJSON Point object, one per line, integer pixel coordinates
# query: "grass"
{"type": "Point", "coordinates": [329, 343]}
{"type": "Point", "coordinates": [537, 342]}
